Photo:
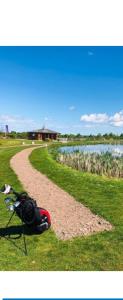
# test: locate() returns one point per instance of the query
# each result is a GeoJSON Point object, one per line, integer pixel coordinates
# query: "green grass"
{"type": "Point", "coordinates": [17, 142]}
{"type": "Point", "coordinates": [102, 251]}
{"type": "Point", "coordinates": [104, 196]}
{"type": "Point", "coordinates": [39, 246]}
{"type": "Point", "coordinates": [87, 141]}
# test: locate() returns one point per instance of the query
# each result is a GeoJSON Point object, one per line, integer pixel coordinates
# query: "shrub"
{"type": "Point", "coordinates": [102, 164]}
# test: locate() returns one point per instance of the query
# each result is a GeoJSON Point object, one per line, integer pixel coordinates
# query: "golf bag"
{"type": "Point", "coordinates": [37, 218]}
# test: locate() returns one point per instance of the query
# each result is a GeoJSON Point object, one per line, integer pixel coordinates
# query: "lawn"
{"type": "Point", "coordinates": [11, 251]}
{"type": "Point", "coordinates": [105, 197]}
{"type": "Point", "coordinates": [17, 142]}
{"type": "Point", "coordinates": [45, 252]}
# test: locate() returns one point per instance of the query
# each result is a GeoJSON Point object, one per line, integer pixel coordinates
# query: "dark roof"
{"type": "Point", "coordinates": [44, 130]}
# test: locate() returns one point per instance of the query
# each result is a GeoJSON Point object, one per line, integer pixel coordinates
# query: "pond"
{"type": "Point", "coordinates": [115, 150]}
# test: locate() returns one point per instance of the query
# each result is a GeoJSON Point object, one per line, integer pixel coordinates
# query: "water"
{"type": "Point", "coordinates": [115, 150]}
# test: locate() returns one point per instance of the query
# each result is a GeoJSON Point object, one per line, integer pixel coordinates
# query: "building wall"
{"type": "Point", "coordinates": [31, 136]}
{"type": "Point", "coordinates": [41, 136]}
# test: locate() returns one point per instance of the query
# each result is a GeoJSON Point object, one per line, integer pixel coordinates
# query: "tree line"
{"type": "Point", "coordinates": [71, 136]}
{"type": "Point", "coordinates": [92, 136]}
{"type": "Point", "coordinates": [14, 135]}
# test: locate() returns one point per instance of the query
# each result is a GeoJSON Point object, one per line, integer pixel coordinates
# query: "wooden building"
{"type": "Point", "coordinates": [43, 134]}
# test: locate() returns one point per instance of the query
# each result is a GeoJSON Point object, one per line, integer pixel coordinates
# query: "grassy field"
{"type": "Point", "coordinates": [45, 252]}
{"type": "Point", "coordinates": [11, 251]}
{"type": "Point", "coordinates": [87, 141]}
{"type": "Point", "coordinates": [105, 198]}
{"type": "Point", "coordinates": [17, 142]}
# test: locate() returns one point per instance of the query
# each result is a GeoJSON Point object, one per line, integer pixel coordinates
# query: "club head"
{"type": "Point", "coordinates": [6, 189]}
{"type": "Point", "coordinates": [7, 200]}
{"type": "Point", "coordinates": [11, 207]}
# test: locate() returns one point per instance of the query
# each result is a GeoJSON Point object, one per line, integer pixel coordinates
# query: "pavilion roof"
{"type": "Point", "coordinates": [44, 130]}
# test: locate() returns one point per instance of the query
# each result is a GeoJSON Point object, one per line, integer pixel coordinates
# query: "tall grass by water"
{"type": "Point", "coordinates": [101, 164]}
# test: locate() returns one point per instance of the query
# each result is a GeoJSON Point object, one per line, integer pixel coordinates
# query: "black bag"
{"type": "Point", "coordinates": [27, 210]}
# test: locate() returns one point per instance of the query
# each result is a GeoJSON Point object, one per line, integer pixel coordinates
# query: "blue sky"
{"type": "Point", "coordinates": [68, 89]}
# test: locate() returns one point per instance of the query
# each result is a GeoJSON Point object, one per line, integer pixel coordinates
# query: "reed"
{"type": "Point", "coordinates": [101, 164]}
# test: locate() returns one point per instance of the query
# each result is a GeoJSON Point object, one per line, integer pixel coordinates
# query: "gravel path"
{"type": "Point", "coordinates": [69, 217]}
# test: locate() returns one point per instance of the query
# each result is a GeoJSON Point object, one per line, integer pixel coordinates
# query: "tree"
{"type": "Point", "coordinates": [12, 134]}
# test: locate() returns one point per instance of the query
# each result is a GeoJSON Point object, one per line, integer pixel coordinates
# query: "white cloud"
{"type": "Point", "coordinates": [17, 122]}
{"type": "Point", "coordinates": [95, 118]}
{"type": "Point", "coordinates": [72, 108]}
{"type": "Point", "coordinates": [117, 119]}
{"type": "Point", "coordinates": [90, 53]}
{"type": "Point", "coordinates": [15, 119]}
